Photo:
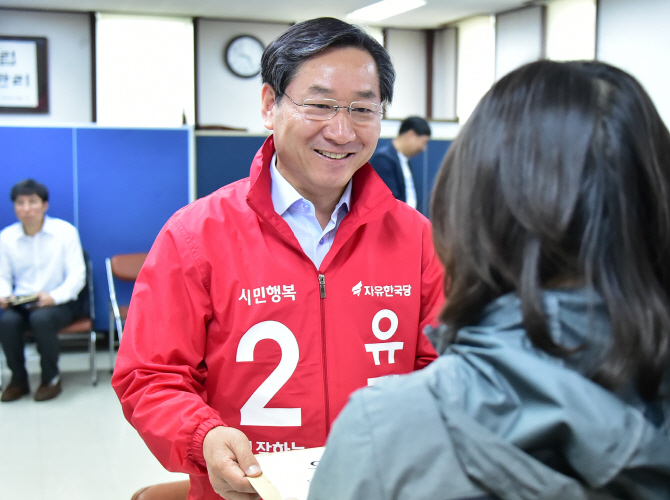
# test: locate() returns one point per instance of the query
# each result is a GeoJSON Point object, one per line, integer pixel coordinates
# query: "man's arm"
{"type": "Point", "coordinates": [6, 281]}
{"type": "Point", "coordinates": [159, 375]}
{"type": "Point", "coordinates": [229, 460]}
{"type": "Point", "coordinates": [75, 272]}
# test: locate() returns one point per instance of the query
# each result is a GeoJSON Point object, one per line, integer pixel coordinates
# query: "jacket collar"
{"type": "Point", "coordinates": [576, 318]}
{"type": "Point", "coordinates": [370, 197]}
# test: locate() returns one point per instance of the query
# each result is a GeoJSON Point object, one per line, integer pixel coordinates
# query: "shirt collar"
{"type": "Point", "coordinates": [47, 227]}
{"type": "Point", "coordinates": [284, 194]}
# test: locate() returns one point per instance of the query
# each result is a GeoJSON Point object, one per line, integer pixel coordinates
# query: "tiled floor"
{"type": "Point", "coordinates": [75, 447]}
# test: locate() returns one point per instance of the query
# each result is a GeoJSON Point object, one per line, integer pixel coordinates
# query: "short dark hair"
{"type": "Point", "coordinates": [415, 123]}
{"type": "Point", "coordinates": [284, 56]}
{"type": "Point", "coordinates": [562, 174]}
{"type": "Point", "coordinates": [28, 187]}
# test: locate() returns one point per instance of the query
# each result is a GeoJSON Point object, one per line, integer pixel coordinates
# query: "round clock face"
{"type": "Point", "coordinates": [243, 56]}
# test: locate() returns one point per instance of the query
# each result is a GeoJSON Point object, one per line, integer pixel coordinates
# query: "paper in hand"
{"type": "Point", "coordinates": [23, 299]}
{"type": "Point", "coordinates": [288, 473]}
{"type": "Point", "coordinates": [265, 488]}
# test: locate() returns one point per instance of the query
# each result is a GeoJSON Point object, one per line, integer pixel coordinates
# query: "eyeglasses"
{"type": "Point", "coordinates": [325, 109]}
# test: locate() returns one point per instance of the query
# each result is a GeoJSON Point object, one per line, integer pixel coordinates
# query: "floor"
{"type": "Point", "coordinates": [75, 447]}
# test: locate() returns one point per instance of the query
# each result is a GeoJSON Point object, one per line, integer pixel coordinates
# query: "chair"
{"type": "Point", "coordinates": [124, 267]}
{"type": "Point", "coordinates": [83, 325]}
{"type": "Point", "coordinates": [177, 490]}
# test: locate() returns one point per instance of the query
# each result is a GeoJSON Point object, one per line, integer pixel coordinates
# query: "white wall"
{"type": "Point", "coordinates": [69, 64]}
{"type": "Point", "coordinates": [408, 53]}
{"type": "Point", "coordinates": [519, 38]}
{"type": "Point", "coordinates": [571, 30]}
{"type": "Point", "coordinates": [144, 71]}
{"type": "Point", "coordinates": [634, 35]}
{"type": "Point", "coordinates": [445, 68]}
{"type": "Point", "coordinates": [476, 62]}
{"type": "Point", "coordinates": [223, 98]}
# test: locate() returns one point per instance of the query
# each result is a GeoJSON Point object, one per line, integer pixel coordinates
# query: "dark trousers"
{"type": "Point", "coordinates": [44, 322]}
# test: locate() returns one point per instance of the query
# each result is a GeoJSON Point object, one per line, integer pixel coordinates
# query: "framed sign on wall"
{"type": "Point", "coordinates": [24, 85]}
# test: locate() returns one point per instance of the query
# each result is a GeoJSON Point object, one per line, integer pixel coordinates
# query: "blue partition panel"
{"type": "Point", "coordinates": [432, 159]}
{"type": "Point", "coordinates": [424, 167]}
{"type": "Point", "coordinates": [130, 181]}
{"type": "Point", "coordinates": [223, 159]}
{"type": "Point", "coordinates": [118, 186]}
{"type": "Point", "coordinates": [44, 154]}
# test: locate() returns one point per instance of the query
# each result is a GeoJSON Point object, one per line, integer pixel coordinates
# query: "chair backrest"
{"type": "Point", "coordinates": [84, 305]}
{"type": "Point", "coordinates": [127, 266]}
{"type": "Point", "coordinates": [124, 267]}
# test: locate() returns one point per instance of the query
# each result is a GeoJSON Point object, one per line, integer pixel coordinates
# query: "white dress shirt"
{"type": "Point", "coordinates": [300, 215]}
{"type": "Point", "coordinates": [50, 261]}
{"type": "Point", "coordinates": [410, 189]}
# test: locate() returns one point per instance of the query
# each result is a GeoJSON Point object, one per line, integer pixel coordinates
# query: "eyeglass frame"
{"type": "Point", "coordinates": [337, 107]}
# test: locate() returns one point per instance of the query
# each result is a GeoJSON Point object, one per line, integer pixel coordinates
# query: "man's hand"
{"type": "Point", "coordinates": [4, 301]}
{"type": "Point", "coordinates": [44, 300]}
{"type": "Point", "coordinates": [229, 460]}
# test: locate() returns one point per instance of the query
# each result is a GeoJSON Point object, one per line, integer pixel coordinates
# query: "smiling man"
{"type": "Point", "coordinates": [261, 307]}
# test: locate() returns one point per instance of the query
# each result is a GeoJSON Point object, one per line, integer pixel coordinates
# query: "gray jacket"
{"type": "Point", "coordinates": [496, 416]}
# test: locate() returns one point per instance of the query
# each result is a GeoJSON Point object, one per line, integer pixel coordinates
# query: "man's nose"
{"type": "Point", "coordinates": [340, 128]}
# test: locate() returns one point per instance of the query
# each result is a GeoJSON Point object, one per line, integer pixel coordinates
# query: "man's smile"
{"type": "Point", "coordinates": [334, 156]}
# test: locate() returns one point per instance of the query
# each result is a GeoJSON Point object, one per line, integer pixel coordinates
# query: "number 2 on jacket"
{"type": "Point", "coordinates": [253, 412]}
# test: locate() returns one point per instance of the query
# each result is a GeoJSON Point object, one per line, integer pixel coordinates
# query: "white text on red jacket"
{"type": "Point", "coordinates": [261, 294]}
{"type": "Point", "coordinates": [381, 290]}
{"type": "Point", "coordinates": [383, 347]}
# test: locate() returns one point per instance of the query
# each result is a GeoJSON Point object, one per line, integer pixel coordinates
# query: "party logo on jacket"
{"type": "Point", "coordinates": [359, 289]}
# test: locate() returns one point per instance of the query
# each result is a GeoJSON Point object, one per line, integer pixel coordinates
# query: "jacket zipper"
{"type": "Point", "coordinates": [322, 294]}
{"type": "Point", "coordinates": [322, 285]}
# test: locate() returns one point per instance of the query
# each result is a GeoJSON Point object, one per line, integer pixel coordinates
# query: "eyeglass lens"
{"type": "Point", "coordinates": [325, 109]}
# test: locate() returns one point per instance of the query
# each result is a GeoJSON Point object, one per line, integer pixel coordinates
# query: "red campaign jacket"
{"type": "Point", "coordinates": [230, 322]}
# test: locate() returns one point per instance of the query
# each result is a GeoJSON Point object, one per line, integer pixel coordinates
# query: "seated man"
{"type": "Point", "coordinates": [391, 161]}
{"type": "Point", "coordinates": [40, 256]}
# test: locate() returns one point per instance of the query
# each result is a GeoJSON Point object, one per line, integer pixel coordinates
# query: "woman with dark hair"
{"type": "Point", "coordinates": [551, 213]}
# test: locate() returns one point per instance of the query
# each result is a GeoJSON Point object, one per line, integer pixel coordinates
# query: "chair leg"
{"type": "Point", "coordinates": [92, 352]}
{"type": "Point", "coordinates": [112, 325]}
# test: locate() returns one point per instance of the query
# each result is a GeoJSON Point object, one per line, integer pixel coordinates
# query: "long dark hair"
{"type": "Point", "coordinates": [562, 174]}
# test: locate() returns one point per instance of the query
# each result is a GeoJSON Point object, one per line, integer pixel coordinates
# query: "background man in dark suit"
{"type": "Point", "coordinates": [391, 161]}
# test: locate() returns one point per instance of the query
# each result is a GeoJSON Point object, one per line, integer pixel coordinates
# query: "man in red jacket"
{"type": "Point", "coordinates": [261, 307]}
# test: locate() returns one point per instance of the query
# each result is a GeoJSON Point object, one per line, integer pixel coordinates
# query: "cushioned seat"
{"type": "Point", "coordinates": [177, 490]}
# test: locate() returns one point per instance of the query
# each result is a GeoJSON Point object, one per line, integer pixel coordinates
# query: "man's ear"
{"type": "Point", "coordinates": [268, 101]}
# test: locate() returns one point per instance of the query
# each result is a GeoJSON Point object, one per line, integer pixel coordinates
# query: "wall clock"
{"type": "Point", "coordinates": [243, 56]}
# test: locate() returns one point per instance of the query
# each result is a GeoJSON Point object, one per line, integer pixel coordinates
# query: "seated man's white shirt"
{"type": "Point", "coordinates": [51, 261]}
{"type": "Point", "coordinates": [410, 189]}
{"type": "Point", "coordinates": [300, 215]}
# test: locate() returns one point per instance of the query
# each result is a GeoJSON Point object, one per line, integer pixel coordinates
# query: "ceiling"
{"type": "Point", "coordinates": [434, 14]}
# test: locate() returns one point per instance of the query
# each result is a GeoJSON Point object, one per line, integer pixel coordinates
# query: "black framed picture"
{"type": "Point", "coordinates": [24, 82]}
